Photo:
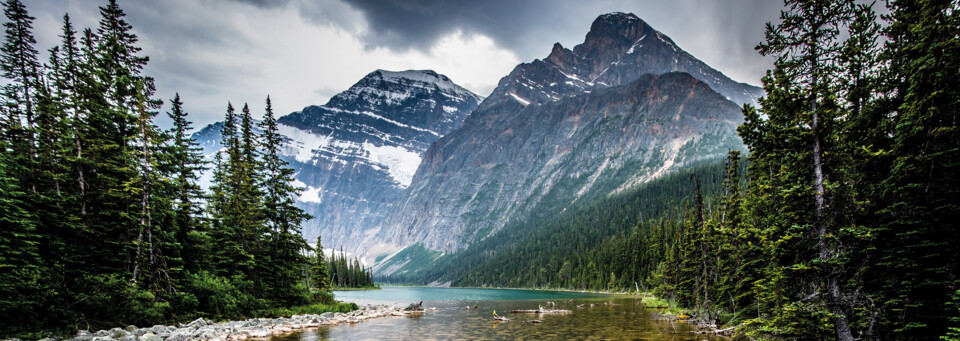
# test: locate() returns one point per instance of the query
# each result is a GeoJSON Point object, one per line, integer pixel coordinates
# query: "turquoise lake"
{"type": "Point", "coordinates": [593, 317]}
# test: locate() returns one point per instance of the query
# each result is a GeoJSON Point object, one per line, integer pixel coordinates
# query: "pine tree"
{"type": "Point", "coordinates": [24, 276]}
{"type": "Point", "coordinates": [281, 216]}
{"type": "Point", "coordinates": [321, 275]}
{"type": "Point", "coordinates": [801, 104]}
{"type": "Point", "coordinates": [235, 232]}
{"type": "Point", "coordinates": [187, 162]}
{"type": "Point", "coordinates": [20, 65]}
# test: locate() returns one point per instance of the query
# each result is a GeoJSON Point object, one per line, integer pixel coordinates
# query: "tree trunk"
{"type": "Point", "coordinates": [834, 300]}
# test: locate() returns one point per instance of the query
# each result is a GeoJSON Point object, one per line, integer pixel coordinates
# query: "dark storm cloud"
{"type": "Point", "coordinates": [207, 48]}
{"type": "Point", "coordinates": [403, 24]}
{"type": "Point", "coordinates": [724, 31]}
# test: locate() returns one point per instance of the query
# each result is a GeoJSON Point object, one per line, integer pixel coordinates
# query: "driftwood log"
{"type": "Point", "coordinates": [540, 310]}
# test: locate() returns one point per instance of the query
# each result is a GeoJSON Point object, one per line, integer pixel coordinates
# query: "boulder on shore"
{"type": "Point", "coordinates": [414, 307]}
{"type": "Point", "coordinates": [203, 329]}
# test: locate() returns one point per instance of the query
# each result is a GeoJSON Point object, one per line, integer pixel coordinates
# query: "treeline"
{"type": "Point", "coordinates": [845, 223]}
{"type": "Point", "coordinates": [349, 273]}
{"type": "Point", "coordinates": [339, 272]}
{"type": "Point", "coordinates": [103, 223]}
{"type": "Point", "coordinates": [580, 247]}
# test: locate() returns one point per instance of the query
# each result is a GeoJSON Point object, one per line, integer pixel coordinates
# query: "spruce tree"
{"type": "Point", "coordinates": [19, 63]}
{"type": "Point", "coordinates": [187, 163]}
{"type": "Point", "coordinates": [281, 216]}
{"type": "Point", "coordinates": [321, 274]}
{"type": "Point", "coordinates": [801, 108]}
{"type": "Point", "coordinates": [234, 233]}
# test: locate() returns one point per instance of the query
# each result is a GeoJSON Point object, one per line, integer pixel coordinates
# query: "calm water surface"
{"type": "Point", "coordinates": [610, 317]}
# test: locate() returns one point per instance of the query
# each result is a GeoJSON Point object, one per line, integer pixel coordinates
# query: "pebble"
{"type": "Point", "coordinates": [259, 328]}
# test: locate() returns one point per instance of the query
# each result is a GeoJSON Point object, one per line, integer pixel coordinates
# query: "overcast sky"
{"type": "Point", "coordinates": [302, 52]}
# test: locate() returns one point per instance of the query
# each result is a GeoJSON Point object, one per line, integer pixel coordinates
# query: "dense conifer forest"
{"type": "Point", "coordinates": [841, 221]}
{"type": "Point", "coordinates": [339, 272]}
{"type": "Point", "coordinates": [103, 222]}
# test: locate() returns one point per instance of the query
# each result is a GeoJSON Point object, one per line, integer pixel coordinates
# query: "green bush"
{"type": "Point", "coordinates": [222, 297]}
{"type": "Point", "coordinates": [322, 297]}
{"type": "Point", "coordinates": [111, 300]}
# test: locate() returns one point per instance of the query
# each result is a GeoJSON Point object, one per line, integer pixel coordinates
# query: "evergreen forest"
{"type": "Point", "coordinates": [103, 221]}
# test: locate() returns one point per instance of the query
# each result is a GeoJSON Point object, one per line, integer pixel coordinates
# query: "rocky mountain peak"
{"type": "Point", "coordinates": [625, 106]}
{"type": "Point", "coordinates": [611, 35]}
{"type": "Point", "coordinates": [562, 57]}
{"type": "Point", "coordinates": [395, 88]}
{"type": "Point", "coordinates": [357, 153]}
{"type": "Point", "coordinates": [619, 48]}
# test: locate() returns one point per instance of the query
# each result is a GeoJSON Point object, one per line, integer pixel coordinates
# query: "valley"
{"type": "Point", "coordinates": [623, 183]}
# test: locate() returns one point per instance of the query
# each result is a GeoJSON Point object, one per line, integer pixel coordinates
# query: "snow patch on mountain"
{"type": "Point", "coordinates": [312, 194]}
{"type": "Point", "coordinates": [519, 99]}
{"type": "Point", "coordinates": [396, 123]}
{"type": "Point", "coordinates": [400, 163]}
{"type": "Point", "coordinates": [302, 143]}
{"type": "Point", "coordinates": [424, 76]}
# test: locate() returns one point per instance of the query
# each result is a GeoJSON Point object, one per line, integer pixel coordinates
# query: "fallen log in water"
{"type": "Point", "coordinates": [540, 310]}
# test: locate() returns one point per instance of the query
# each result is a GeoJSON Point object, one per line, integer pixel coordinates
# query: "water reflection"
{"type": "Point", "coordinates": [599, 317]}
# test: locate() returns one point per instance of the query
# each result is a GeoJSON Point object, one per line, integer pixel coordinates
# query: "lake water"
{"type": "Point", "coordinates": [609, 317]}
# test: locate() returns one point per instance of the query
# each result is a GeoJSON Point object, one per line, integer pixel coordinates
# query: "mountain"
{"type": "Point", "coordinates": [357, 153]}
{"type": "Point", "coordinates": [622, 108]}
{"type": "Point", "coordinates": [619, 48]}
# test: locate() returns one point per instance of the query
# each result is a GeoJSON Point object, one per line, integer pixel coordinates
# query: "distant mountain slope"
{"type": "Point", "coordinates": [477, 179]}
{"type": "Point", "coordinates": [605, 116]}
{"type": "Point", "coordinates": [355, 154]}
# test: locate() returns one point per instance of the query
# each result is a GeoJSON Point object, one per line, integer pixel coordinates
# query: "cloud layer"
{"type": "Point", "coordinates": [302, 52]}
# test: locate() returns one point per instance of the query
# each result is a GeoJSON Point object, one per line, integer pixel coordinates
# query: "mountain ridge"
{"type": "Point", "coordinates": [563, 119]}
{"type": "Point", "coordinates": [355, 154]}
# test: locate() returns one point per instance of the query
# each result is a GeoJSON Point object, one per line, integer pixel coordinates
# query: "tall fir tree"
{"type": "Point", "coordinates": [230, 201]}
{"type": "Point", "coordinates": [187, 163]}
{"type": "Point", "coordinates": [320, 271]}
{"type": "Point", "coordinates": [801, 106]}
{"type": "Point", "coordinates": [281, 215]}
{"type": "Point", "coordinates": [20, 65]}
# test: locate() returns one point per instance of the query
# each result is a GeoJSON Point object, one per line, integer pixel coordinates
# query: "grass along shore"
{"type": "Point", "coordinates": [355, 289]}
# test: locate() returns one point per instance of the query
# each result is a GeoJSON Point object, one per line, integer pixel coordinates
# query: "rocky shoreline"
{"type": "Point", "coordinates": [257, 328]}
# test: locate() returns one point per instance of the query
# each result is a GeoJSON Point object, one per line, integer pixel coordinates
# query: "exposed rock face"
{"type": "Point", "coordinates": [618, 49]}
{"type": "Point", "coordinates": [506, 164]}
{"type": "Point", "coordinates": [355, 154]}
{"type": "Point", "coordinates": [603, 117]}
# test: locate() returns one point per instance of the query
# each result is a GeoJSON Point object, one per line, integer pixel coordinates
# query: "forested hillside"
{"type": "Point", "coordinates": [561, 251]}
